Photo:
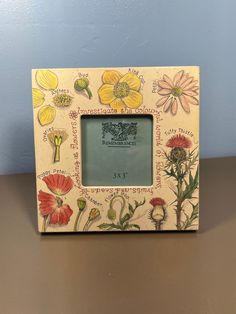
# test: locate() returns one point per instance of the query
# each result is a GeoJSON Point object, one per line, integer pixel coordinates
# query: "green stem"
{"type": "Point", "coordinates": [158, 225]}
{"type": "Point", "coordinates": [76, 220]}
{"type": "Point", "coordinates": [57, 153]}
{"type": "Point", "coordinates": [86, 226]}
{"type": "Point", "coordinates": [179, 197]}
{"type": "Point", "coordinates": [89, 92]}
{"type": "Point", "coordinates": [178, 214]}
{"type": "Point", "coordinates": [122, 204]}
{"type": "Point", "coordinates": [44, 227]}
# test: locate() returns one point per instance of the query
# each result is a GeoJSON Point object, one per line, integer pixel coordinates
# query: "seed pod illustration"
{"type": "Point", "coordinates": [81, 203]}
{"type": "Point", "coordinates": [93, 215]}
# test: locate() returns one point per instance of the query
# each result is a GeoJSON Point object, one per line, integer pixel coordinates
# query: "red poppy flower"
{"type": "Point", "coordinates": [58, 183]}
{"type": "Point", "coordinates": [179, 141]}
{"type": "Point", "coordinates": [53, 207]}
{"type": "Point", "coordinates": [157, 201]}
{"type": "Point", "coordinates": [48, 203]}
{"type": "Point", "coordinates": [61, 215]}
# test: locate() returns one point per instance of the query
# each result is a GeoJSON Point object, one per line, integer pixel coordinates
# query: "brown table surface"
{"type": "Point", "coordinates": [169, 272]}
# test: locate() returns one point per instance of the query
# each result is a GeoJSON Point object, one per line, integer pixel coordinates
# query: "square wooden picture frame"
{"type": "Point", "coordinates": [117, 149]}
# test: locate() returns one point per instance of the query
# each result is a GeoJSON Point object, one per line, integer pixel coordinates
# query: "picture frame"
{"type": "Point", "coordinates": [117, 149]}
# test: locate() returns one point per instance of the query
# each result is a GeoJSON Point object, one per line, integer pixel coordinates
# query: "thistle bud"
{"type": "Point", "coordinates": [178, 154]}
{"type": "Point", "coordinates": [158, 212]}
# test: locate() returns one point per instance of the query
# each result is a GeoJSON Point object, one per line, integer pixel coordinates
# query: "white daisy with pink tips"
{"type": "Point", "coordinates": [182, 91]}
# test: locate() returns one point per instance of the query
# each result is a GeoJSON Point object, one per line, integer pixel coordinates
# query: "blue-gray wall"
{"type": "Point", "coordinates": [90, 33]}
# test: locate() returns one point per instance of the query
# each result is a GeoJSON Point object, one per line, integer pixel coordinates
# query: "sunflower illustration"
{"type": "Point", "coordinates": [120, 91]}
{"type": "Point", "coordinates": [182, 90]}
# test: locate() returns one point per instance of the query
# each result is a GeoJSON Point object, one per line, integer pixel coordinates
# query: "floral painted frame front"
{"type": "Point", "coordinates": [170, 94]}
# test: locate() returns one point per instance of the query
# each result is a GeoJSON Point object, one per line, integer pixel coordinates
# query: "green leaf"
{"type": "Point", "coordinates": [133, 226]}
{"type": "Point", "coordinates": [195, 209]}
{"type": "Point", "coordinates": [191, 187]}
{"type": "Point", "coordinates": [104, 226]}
{"type": "Point", "coordinates": [137, 204]}
{"type": "Point", "coordinates": [125, 218]}
{"type": "Point", "coordinates": [190, 219]}
{"type": "Point", "coordinates": [176, 194]}
{"type": "Point", "coordinates": [131, 210]}
{"type": "Point", "coordinates": [125, 226]}
{"type": "Point", "coordinates": [143, 202]}
{"type": "Point", "coordinates": [108, 227]}
{"type": "Point", "coordinates": [171, 173]}
{"type": "Point", "coordinates": [196, 178]}
{"type": "Point", "coordinates": [190, 178]}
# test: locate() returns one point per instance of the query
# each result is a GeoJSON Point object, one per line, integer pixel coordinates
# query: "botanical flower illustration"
{"type": "Point", "coordinates": [120, 91]}
{"type": "Point", "coordinates": [179, 141]}
{"type": "Point", "coordinates": [82, 84]}
{"type": "Point", "coordinates": [81, 203]}
{"type": "Point", "coordinates": [158, 212]}
{"type": "Point", "coordinates": [61, 97]}
{"type": "Point", "coordinates": [182, 90]}
{"type": "Point", "coordinates": [73, 114]}
{"type": "Point", "coordinates": [51, 206]}
{"type": "Point", "coordinates": [48, 80]}
{"type": "Point", "coordinates": [180, 162]}
{"type": "Point", "coordinates": [58, 183]}
{"type": "Point", "coordinates": [93, 216]}
{"type": "Point", "coordinates": [57, 137]}
{"type": "Point", "coordinates": [121, 220]}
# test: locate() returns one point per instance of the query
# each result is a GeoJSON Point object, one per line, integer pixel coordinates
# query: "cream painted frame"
{"type": "Point", "coordinates": [170, 95]}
